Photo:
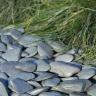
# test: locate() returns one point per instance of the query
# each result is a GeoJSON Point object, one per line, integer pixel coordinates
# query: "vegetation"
{"type": "Point", "coordinates": [72, 22]}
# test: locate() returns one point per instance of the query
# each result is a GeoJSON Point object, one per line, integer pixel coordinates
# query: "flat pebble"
{"type": "Point", "coordinates": [2, 47]}
{"type": "Point", "coordinates": [44, 50]}
{"type": "Point", "coordinates": [51, 93]}
{"type": "Point", "coordinates": [64, 69]}
{"type": "Point", "coordinates": [19, 86]}
{"type": "Point", "coordinates": [38, 90]}
{"type": "Point", "coordinates": [65, 58]}
{"type": "Point", "coordinates": [42, 65]}
{"type": "Point", "coordinates": [26, 66]}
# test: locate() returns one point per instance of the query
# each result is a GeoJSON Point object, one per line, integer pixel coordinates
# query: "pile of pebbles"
{"type": "Point", "coordinates": [29, 66]}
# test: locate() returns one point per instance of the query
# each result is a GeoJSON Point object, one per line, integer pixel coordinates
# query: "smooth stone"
{"type": "Point", "coordinates": [2, 60]}
{"type": "Point", "coordinates": [56, 46]}
{"type": "Point", "coordinates": [65, 58]}
{"type": "Point", "coordinates": [3, 76]}
{"type": "Point", "coordinates": [16, 94]}
{"type": "Point", "coordinates": [70, 86]}
{"type": "Point", "coordinates": [77, 94]}
{"type": "Point", "coordinates": [92, 90]}
{"type": "Point", "coordinates": [1, 54]}
{"type": "Point", "coordinates": [7, 39]}
{"type": "Point", "coordinates": [19, 86]}
{"type": "Point", "coordinates": [38, 90]}
{"type": "Point", "coordinates": [86, 73]}
{"type": "Point", "coordinates": [44, 50]}
{"type": "Point", "coordinates": [51, 82]}
{"type": "Point", "coordinates": [9, 67]}
{"type": "Point", "coordinates": [43, 75]}
{"type": "Point", "coordinates": [23, 75]}
{"type": "Point", "coordinates": [31, 59]}
{"type": "Point", "coordinates": [20, 29]}
{"type": "Point", "coordinates": [51, 93]}
{"type": "Point", "coordinates": [31, 51]}
{"type": "Point", "coordinates": [27, 40]}
{"type": "Point", "coordinates": [64, 69]}
{"type": "Point", "coordinates": [26, 66]}
{"type": "Point", "coordinates": [34, 83]}
{"type": "Point", "coordinates": [12, 54]}
{"type": "Point", "coordinates": [14, 34]}
{"type": "Point", "coordinates": [69, 78]}
{"type": "Point", "coordinates": [24, 54]}
{"type": "Point", "coordinates": [2, 47]}
{"type": "Point", "coordinates": [72, 51]}
{"type": "Point", "coordinates": [3, 90]}
{"type": "Point", "coordinates": [42, 65]}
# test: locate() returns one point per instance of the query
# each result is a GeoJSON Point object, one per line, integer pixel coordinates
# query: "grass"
{"type": "Point", "coordinates": [72, 22]}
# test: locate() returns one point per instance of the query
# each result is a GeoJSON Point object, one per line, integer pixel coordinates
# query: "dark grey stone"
{"type": "Point", "coordinates": [2, 47]}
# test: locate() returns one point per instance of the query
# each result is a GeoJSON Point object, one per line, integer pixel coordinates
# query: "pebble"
{"type": "Point", "coordinates": [44, 50]}
{"type": "Point", "coordinates": [74, 86]}
{"type": "Point", "coordinates": [92, 90]}
{"type": "Point", "coordinates": [64, 69]}
{"type": "Point", "coordinates": [16, 94]}
{"type": "Point", "coordinates": [51, 93]}
{"type": "Point", "coordinates": [34, 83]}
{"type": "Point", "coordinates": [42, 65]}
{"type": "Point", "coordinates": [9, 67]}
{"type": "Point", "coordinates": [3, 91]}
{"type": "Point", "coordinates": [23, 75]}
{"type": "Point", "coordinates": [43, 75]}
{"type": "Point", "coordinates": [19, 86]}
{"type": "Point", "coordinates": [31, 51]}
{"type": "Point", "coordinates": [51, 82]}
{"type": "Point", "coordinates": [38, 90]}
{"type": "Point", "coordinates": [77, 94]}
{"type": "Point", "coordinates": [26, 66]}
{"type": "Point", "coordinates": [27, 40]}
{"type": "Point", "coordinates": [2, 47]}
{"type": "Point", "coordinates": [86, 73]}
{"type": "Point", "coordinates": [12, 54]}
{"type": "Point", "coordinates": [65, 58]}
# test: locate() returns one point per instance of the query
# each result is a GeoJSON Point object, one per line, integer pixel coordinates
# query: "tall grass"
{"type": "Point", "coordinates": [72, 22]}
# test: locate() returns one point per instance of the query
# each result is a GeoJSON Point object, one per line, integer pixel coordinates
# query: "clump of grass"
{"type": "Point", "coordinates": [72, 22]}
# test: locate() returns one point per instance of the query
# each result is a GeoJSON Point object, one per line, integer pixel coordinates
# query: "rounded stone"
{"type": "Point", "coordinates": [51, 93]}
{"type": "Point", "coordinates": [19, 86]}
{"type": "Point", "coordinates": [42, 65]}
{"type": "Point", "coordinates": [38, 90]}
{"type": "Point", "coordinates": [65, 58]}
{"type": "Point", "coordinates": [64, 69]}
{"type": "Point", "coordinates": [26, 66]}
{"type": "Point", "coordinates": [86, 73]}
{"type": "Point", "coordinates": [77, 94]}
{"type": "Point", "coordinates": [23, 75]}
{"type": "Point", "coordinates": [51, 82]}
{"type": "Point", "coordinates": [3, 90]}
{"type": "Point", "coordinates": [44, 50]}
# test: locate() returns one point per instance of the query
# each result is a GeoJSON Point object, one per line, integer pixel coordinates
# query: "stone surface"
{"type": "Point", "coordinates": [12, 54]}
{"type": "Point", "coordinates": [26, 66]}
{"type": "Point", "coordinates": [64, 69]}
{"type": "Point", "coordinates": [19, 86]}
{"type": "Point", "coordinates": [38, 90]}
{"type": "Point", "coordinates": [9, 67]}
{"type": "Point", "coordinates": [3, 90]}
{"type": "Point", "coordinates": [44, 50]}
{"type": "Point", "coordinates": [42, 65]}
{"type": "Point", "coordinates": [86, 73]}
{"type": "Point", "coordinates": [92, 90]}
{"type": "Point", "coordinates": [23, 75]}
{"type": "Point", "coordinates": [65, 58]}
{"type": "Point", "coordinates": [51, 93]}
{"type": "Point", "coordinates": [2, 47]}
{"type": "Point", "coordinates": [51, 82]}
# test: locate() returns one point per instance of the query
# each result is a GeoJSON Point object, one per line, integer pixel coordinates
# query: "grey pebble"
{"type": "Point", "coordinates": [19, 86]}
{"type": "Point", "coordinates": [2, 47]}
{"type": "Point", "coordinates": [26, 66]}
{"type": "Point", "coordinates": [38, 90]}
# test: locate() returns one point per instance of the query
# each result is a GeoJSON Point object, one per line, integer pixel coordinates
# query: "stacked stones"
{"type": "Point", "coordinates": [31, 67]}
